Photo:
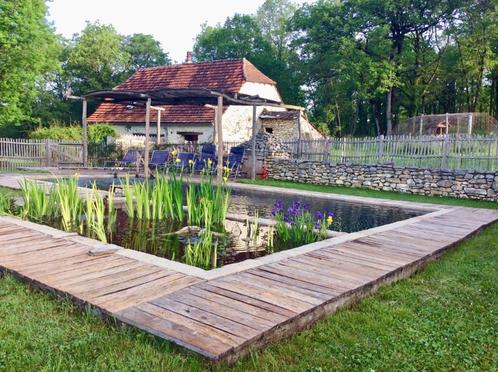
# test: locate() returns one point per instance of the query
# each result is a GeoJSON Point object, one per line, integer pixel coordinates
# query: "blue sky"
{"type": "Point", "coordinates": [174, 23]}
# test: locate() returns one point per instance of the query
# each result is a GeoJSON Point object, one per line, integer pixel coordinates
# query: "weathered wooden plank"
{"type": "Point", "coordinates": [284, 289]}
{"type": "Point", "coordinates": [262, 294]}
{"type": "Point", "coordinates": [307, 277]}
{"type": "Point", "coordinates": [185, 297]}
{"type": "Point", "coordinates": [294, 283]}
{"type": "Point", "coordinates": [84, 279]}
{"type": "Point", "coordinates": [171, 326]}
{"type": "Point", "coordinates": [66, 265]}
{"type": "Point", "coordinates": [84, 273]}
{"type": "Point", "coordinates": [107, 288]}
{"type": "Point", "coordinates": [234, 328]}
{"type": "Point", "coordinates": [240, 306]}
{"type": "Point", "coordinates": [234, 295]}
{"type": "Point", "coordinates": [141, 293]}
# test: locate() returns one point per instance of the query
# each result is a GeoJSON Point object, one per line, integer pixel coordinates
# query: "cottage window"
{"type": "Point", "coordinates": [269, 130]}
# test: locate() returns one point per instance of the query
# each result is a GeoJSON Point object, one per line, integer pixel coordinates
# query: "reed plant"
{"type": "Point", "coordinates": [128, 194]}
{"type": "Point", "coordinates": [203, 252]}
{"type": "Point", "coordinates": [5, 204]}
{"type": "Point", "coordinates": [176, 186]}
{"type": "Point", "coordinates": [69, 202]}
{"type": "Point", "coordinates": [194, 206]}
{"type": "Point", "coordinates": [95, 214]}
{"type": "Point", "coordinates": [157, 197]}
{"type": "Point", "coordinates": [36, 204]}
{"type": "Point", "coordinates": [111, 208]}
{"type": "Point", "coordinates": [142, 200]}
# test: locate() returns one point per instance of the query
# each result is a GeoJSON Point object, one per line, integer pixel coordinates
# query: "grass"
{"type": "Point", "coordinates": [441, 319]}
{"type": "Point", "coordinates": [391, 195]}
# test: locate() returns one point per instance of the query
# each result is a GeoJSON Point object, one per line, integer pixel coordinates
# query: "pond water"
{"type": "Point", "coordinates": [348, 216]}
{"type": "Point", "coordinates": [234, 241]}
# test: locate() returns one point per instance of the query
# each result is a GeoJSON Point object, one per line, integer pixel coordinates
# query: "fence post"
{"type": "Point", "coordinates": [446, 150]}
{"type": "Point", "coordinates": [48, 153]}
{"type": "Point", "coordinates": [421, 124]}
{"type": "Point", "coordinates": [380, 149]}
{"type": "Point", "coordinates": [470, 124]}
{"type": "Point", "coordinates": [326, 146]}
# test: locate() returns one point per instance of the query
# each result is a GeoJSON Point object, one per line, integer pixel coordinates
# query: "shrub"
{"type": "Point", "coordinates": [97, 133]}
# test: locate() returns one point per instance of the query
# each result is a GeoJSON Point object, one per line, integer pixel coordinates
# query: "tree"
{"type": "Point", "coordinates": [144, 51]}
{"type": "Point", "coordinates": [28, 53]}
{"type": "Point", "coordinates": [241, 37]}
{"type": "Point", "coordinates": [96, 59]}
{"type": "Point", "coordinates": [238, 37]}
{"type": "Point", "coordinates": [273, 17]}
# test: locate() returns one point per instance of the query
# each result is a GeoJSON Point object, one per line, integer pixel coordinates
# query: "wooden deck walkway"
{"type": "Point", "coordinates": [225, 317]}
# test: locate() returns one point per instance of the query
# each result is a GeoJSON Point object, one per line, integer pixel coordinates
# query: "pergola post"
{"type": "Point", "coordinates": [158, 127]}
{"type": "Point", "coordinates": [253, 150]}
{"type": "Point", "coordinates": [147, 134]}
{"type": "Point", "coordinates": [85, 133]}
{"type": "Point", "coordinates": [219, 132]}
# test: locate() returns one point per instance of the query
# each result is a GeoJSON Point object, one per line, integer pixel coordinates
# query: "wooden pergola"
{"type": "Point", "coordinates": [202, 97]}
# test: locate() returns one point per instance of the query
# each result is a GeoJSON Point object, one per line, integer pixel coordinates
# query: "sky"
{"type": "Point", "coordinates": [173, 23]}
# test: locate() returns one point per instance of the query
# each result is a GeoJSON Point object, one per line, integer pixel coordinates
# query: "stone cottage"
{"type": "Point", "coordinates": [195, 124]}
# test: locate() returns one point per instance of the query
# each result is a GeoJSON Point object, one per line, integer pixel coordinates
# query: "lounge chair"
{"type": "Point", "coordinates": [158, 159]}
{"type": "Point", "coordinates": [208, 155]}
{"type": "Point", "coordinates": [130, 158]}
{"type": "Point", "coordinates": [235, 159]}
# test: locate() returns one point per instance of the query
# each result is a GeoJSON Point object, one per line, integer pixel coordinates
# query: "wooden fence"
{"type": "Point", "coordinates": [16, 153]}
{"type": "Point", "coordinates": [462, 152]}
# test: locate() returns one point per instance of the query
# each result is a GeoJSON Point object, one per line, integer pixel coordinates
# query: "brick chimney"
{"type": "Point", "coordinates": [189, 57]}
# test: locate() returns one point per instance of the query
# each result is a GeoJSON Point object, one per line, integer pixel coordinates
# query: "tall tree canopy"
{"type": "Point", "coordinates": [371, 63]}
{"type": "Point", "coordinates": [263, 39]}
{"type": "Point", "coordinates": [144, 51]}
{"type": "Point", "coordinates": [28, 53]}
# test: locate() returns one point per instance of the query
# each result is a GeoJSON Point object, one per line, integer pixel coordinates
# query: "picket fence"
{"type": "Point", "coordinates": [457, 152]}
{"type": "Point", "coordinates": [15, 153]}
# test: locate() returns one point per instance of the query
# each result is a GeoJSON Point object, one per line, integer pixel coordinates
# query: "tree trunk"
{"type": "Point", "coordinates": [376, 115]}
{"type": "Point", "coordinates": [389, 112]}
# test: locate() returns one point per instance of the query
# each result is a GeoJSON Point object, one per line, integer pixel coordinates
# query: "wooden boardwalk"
{"type": "Point", "coordinates": [225, 317]}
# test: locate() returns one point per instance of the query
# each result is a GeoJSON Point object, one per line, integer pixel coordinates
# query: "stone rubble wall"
{"type": "Point", "coordinates": [433, 182]}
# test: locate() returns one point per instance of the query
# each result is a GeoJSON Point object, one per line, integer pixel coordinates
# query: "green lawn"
{"type": "Point", "coordinates": [441, 319]}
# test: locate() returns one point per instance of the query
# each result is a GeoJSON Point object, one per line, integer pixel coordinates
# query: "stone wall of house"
{"type": "Point", "coordinates": [461, 184]}
{"type": "Point", "coordinates": [287, 130]}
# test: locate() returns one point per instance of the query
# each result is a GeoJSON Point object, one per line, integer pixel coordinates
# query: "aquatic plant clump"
{"type": "Point", "coordinates": [296, 225]}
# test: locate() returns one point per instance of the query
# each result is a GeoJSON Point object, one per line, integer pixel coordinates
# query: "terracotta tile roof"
{"type": "Point", "coordinates": [278, 115]}
{"type": "Point", "coordinates": [224, 75]}
{"type": "Point", "coordinates": [116, 113]}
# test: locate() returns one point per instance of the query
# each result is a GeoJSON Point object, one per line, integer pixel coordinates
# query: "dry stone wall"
{"type": "Point", "coordinates": [434, 182]}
